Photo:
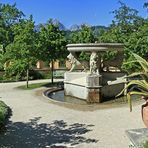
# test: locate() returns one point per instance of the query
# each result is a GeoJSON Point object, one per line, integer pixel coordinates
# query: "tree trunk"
{"type": "Point", "coordinates": [52, 71]}
{"type": "Point", "coordinates": [27, 78]}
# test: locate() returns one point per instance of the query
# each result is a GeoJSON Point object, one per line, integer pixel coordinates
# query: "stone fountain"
{"type": "Point", "coordinates": [93, 84]}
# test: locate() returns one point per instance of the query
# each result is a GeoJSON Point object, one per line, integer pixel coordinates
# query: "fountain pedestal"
{"type": "Point", "coordinates": [93, 86]}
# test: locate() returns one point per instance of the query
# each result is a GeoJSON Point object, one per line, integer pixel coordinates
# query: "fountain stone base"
{"type": "Point", "coordinates": [93, 88]}
{"type": "Point", "coordinates": [83, 85]}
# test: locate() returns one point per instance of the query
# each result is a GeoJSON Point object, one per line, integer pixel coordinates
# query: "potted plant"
{"type": "Point", "coordinates": [141, 86]}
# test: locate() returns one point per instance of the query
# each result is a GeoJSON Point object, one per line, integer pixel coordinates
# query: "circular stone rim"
{"type": "Point", "coordinates": [95, 46]}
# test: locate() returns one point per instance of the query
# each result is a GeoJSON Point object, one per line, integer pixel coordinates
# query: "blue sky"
{"type": "Point", "coordinates": [69, 12]}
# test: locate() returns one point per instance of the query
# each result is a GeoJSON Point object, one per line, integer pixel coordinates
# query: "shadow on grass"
{"type": "Point", "coordinates": [41, 135]}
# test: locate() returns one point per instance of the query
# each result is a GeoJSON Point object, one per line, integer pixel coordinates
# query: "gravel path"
{"type": "Point", "coordinates": [38, 123]}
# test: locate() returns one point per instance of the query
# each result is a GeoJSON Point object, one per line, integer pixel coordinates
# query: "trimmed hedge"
{"type": "Point", "coordinates": [4, 111]}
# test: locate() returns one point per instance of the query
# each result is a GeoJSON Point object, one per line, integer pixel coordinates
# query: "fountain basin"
{"type": "Point", "coordinates": [56, 96]}
{"type": "Point", "coordinates": [95, 84]}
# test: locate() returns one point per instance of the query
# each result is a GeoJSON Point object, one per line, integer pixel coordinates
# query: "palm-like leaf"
{"type": "Point", "coordinates": [142, 62]}
{"type": "Point", "coordinates": [142, 85]}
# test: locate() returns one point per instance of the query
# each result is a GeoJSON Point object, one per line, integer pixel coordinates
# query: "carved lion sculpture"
{"type": "Point", "coordinates": [74, 62]}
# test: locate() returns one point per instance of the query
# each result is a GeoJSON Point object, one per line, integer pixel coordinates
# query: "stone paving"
{"type": "Point", "coordinates": [39, 123]}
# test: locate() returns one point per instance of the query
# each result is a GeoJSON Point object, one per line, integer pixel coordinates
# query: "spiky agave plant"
{"type": "Point", "coordinates": [141, 84]}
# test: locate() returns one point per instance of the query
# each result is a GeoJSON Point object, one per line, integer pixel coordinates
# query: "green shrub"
{"type": "Point", "coordinates": [47, 75]}
{"type": "Point", "coordinates": [146, 144]}
{"type": "Point", "coordinates": [34, 75]}
{"type": "Point", "coordinates": [1, 77]}
{"type": "Point", "coordinates": [4, 110]}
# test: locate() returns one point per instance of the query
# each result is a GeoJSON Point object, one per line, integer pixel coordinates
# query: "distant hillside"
{"type": "Point", "coordinates": [58, 23]}
{"type": "Point", "coordinates": [74, 28]}
{"type": "Point", "coordinates": [96, 29]}
{"type": "Point", "coordinates": [54, 21]}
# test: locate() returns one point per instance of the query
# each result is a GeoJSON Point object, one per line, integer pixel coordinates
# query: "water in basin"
{"type": "Point", "coordinates": [59, 96]}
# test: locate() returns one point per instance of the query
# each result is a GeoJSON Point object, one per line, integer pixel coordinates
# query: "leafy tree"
{"type": "Point", "coordinates": [146, 5]}
{"type": "Point", "coordinates": [22, 51]}
{"type": "Point", "coordinates": [137, 43]}
{"type": "Point", "coordinates": [126, 21]}
{"type": "Point", "coordinates": [131, 30]}
{"type": "Point", "coordinates": [84, 35]}
{"type": "Point", "coordinates": [51, 43]}
{"type": "Point", "coordinates": [1, 57]}
{"type": "Point", "coordinates": [124, 14]}
{"type": "Point", "coordinates": [9, 15]}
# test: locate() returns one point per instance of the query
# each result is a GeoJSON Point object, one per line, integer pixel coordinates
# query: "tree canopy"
{"type": "Point", "coordinates": [84, 35]}
{"type": "Point", "coordinates": [131, 30]}
{"type": "Point", "coordinates": [22, 51]}
{"type": "Point", "coordinates": [9, 15]}
{"type": "Point", "coordinates": [22, 44]}
{"type": "Point", "coordinates": [51, 42]}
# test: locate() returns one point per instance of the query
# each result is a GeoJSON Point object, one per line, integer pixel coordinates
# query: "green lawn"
{"type": "Point", "coordinates": [38, 85]}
